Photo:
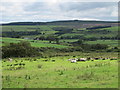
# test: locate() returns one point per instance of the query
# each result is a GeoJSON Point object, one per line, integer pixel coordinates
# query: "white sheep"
{"type": "Point", "coordinates": [10, 59]}
{"type": "Point", "coordinates": [73, 60]}
{"type": "Point", "coordinates": [83, 59]}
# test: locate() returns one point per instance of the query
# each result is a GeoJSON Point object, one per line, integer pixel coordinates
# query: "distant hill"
{"type": "Point", "coordinates": [62, 22]}
{"type": "Point", "coordinates": [69, 29]}
{"type": "Point", "coordinates": [25, 23]}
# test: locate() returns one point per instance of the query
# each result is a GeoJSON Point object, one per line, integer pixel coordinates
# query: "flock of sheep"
{"type": "Point", "coordinates": [73, 60]}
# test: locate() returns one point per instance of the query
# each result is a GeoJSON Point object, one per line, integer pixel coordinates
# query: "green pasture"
{"type": "Point", "coordinates": [68, 40]}
{"type": "Point", "coordinates": [28, 27]}
{"type": "Point", "coordinates": [37, 73]}
{"type": "Point", "coordinates": [72, 34]}
{"type": "Point", "coordinates": [114, 28]}
{"type": "Point", "coordinates": [24, 28]}
{"type": "Point", "coordinates": [107, 42]}
{"type": "Point", "coordinates": [44, 43]}
{"type": "Point", "coordinates": [113, 32]}
{"type": "Point", "coordinates": [101, 35]}
{"type": "Point", "coordinates": [37, 44]}
{"type": "Point", "coordinates": [48, 30]}
{"type": "Point", "coordinates": [54, 70]}
{"type": "Point", "coordinates": [34, 43]}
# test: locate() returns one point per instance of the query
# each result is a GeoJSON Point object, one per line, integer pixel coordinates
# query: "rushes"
{"type": "Point", "coordinates": [16, 66]}
{"type": "Point", "coordinates": [86, 75]}
{"type": "Point", "coordinates": [61, 73]}
{"type": "Point", "coordinates": [27, 77]}
{"type": "Point", "coordinates": [39, 66]}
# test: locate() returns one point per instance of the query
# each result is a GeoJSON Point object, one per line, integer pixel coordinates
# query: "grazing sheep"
{"type": "Point", "coordinates": [82, 59]}
{"type": "Point", "coordinates": [10, 59]}
{"type": "Point", "coordinates": [88, 58]}
{"type": "Point", "coordinates": [69, 59]}
{"type": "Point", "coordinates": [73, 60]}
{"type": "Point", "coordinates": [107, 58]}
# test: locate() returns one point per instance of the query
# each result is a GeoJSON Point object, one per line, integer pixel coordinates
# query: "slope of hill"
{"type": "Point", "coordinates": [66, 31]}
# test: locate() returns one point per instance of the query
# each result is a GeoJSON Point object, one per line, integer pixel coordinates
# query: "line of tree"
{"type": "Point", "coordinates": [63, 30]}
{"type": "Point", "coordinates": [91, 38]}
{"type": "Point", "coordinates": [88, 47]}
{"type": "Point", "coordinates": [18, 34]}
{"type": "Point", "coordinates": [98, 27]}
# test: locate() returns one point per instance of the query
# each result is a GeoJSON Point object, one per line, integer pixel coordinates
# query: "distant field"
{"type": "Point", "coordinates": [37, 73]}
{"type": "Point", "coordinates": [48, 29]}
{"type": "Point", "coordinates": [28, 27]}
{"type": "Point", "coordinates": [40, 43]}
{"type": "Point", "coordinates": [108, 42]}
{"type": "Point", "coordinates": [34, 43]}
{"type": "Point", "coordinates": [72, 34]}
{"type": "Point", "coordinates": [111, 43]}
{"type": "Point", "coordinates": [68, 40]}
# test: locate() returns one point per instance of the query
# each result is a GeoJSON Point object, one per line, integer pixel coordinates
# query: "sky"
{"type": "Point", "coordinates": [54, 10]}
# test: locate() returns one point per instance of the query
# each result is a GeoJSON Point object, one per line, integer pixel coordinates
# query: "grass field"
{"type": "Point", "coordinates": [37, 73]}
{"type": "Point", "coordinates": [68, 40]}
{"type": "Point", "coordinates": [36, 43]}
{"type": "Point", "coordinates": [40, 43]}
{"type": "Point", "coordinates": [57, 71]}
{"type": "Point", "coordinates": [48, 29]}
{"type": "Point", "coordinates": [107, 42]}
{"type": "Point", "coordinates": [28, 27]}
{"type": "Point", "coordinates": [24, 27]}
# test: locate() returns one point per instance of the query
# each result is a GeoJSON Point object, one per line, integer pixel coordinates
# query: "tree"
{"type": "Point", "coordinates": [99, 46]}
{"type": "Point", "coordinates": [21, 49]}
{"type": "Point", "coordinates": [53, 38]}
{"type": "Point", "coordinates": [57, 40]}
{"type": "Point", "coordinates": [80, 42]}
{"type": "Point", "coordinates": [42, 38]}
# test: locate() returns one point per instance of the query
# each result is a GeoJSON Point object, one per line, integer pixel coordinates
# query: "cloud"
{"type": "Point", "coordinates": [81, 6]}
{"type": "Point", "coordinates": [20, 1]}
{"type": "Point", "coordinates": [57, 10]}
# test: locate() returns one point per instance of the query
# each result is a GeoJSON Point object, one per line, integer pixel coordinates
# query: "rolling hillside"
{"type": "Point", "coordinates": [67, 31]}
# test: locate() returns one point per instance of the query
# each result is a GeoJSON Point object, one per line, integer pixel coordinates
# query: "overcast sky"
{"type": "Point", "coordinates": [53, 10]}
